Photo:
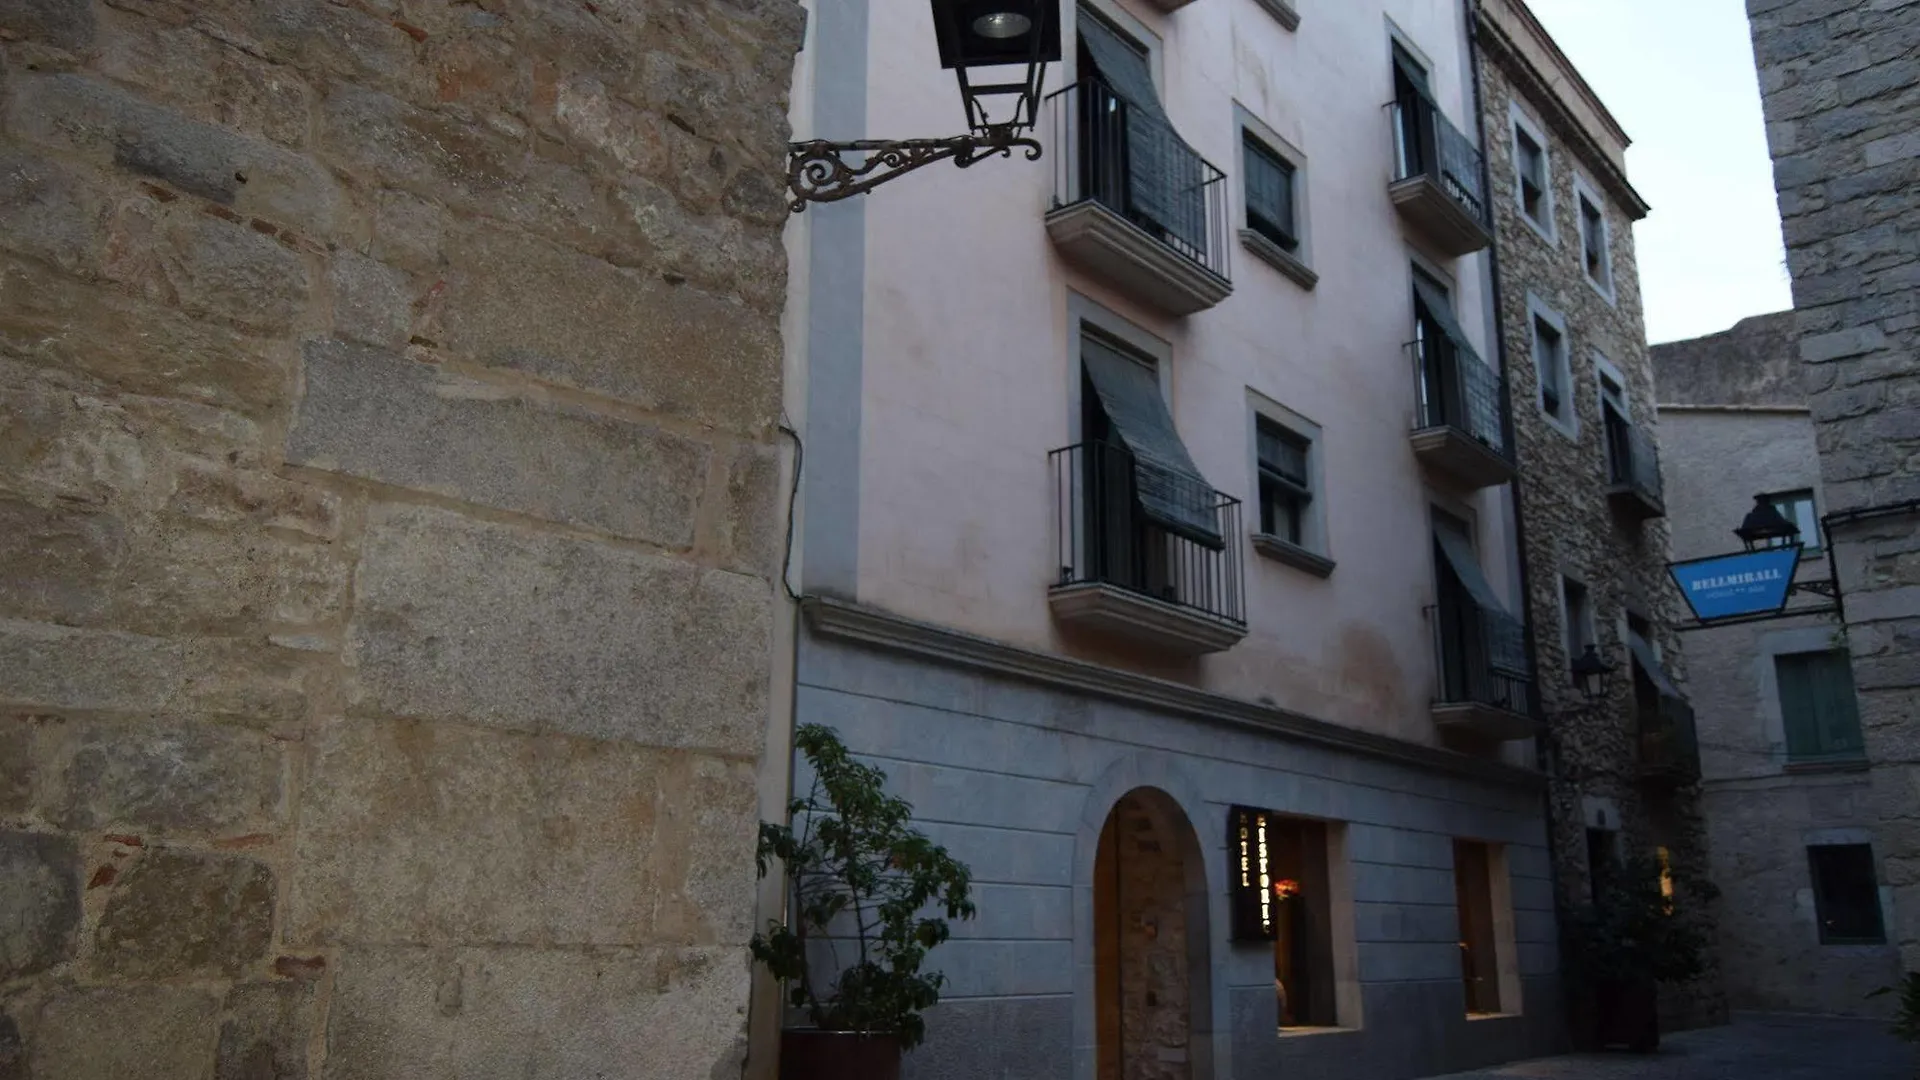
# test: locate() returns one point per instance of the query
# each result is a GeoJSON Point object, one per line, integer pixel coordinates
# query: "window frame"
{"type": "Point", "coordinates": [1822, 898]}
{"type": "Point", "coordinates": [1520, 123]}
{"type": "Point", "coordinates": [1295, 263]}
{"type": "Point", "coordinates": [1538, 313]}
{"type": "Point", "coordinates": [1587, 621]}
{"type": "Point", "coordinates": [1585, 195]}
{"type": "Point", "coordinates": [1312, 553]}
{"type": "Point", "coordinates": [1782, 662]}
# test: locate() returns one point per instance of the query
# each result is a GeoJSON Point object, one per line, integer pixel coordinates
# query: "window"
{"type": "Point", "coordinates": [1603, 856]}
{"type": "Point", "coordinates": [1798, 507]}
{"type": "Point", "coordinates": [1817, 706]}
{"type": "Point", "coordinates": [1303, 975]}
{"type": "Point", "coordinates": [1617, 429]}
{"type": "Point", "coordinates": [1270, 194]}
{"type": "Point", "coordinates": [1595, 254]}
{"type": "Point", "coordinates": [1578, 612]}
{"type": "Point", "coordinates": [1846, 894]}
{"type": "Point", "coordinates": [1286, 487]}
{"type": "Point", "coordinates": [1530, 165]}
{"type": "Point", "coordinates": [1473, 896]}
{"type": "Point", "coordinates": [1550, 362]}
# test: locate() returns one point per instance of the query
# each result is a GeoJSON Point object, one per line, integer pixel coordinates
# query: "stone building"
{"type": "Point", "coordinates": [1594, 534]}
{"type": "Point", "coordinates": [1155, 521]}
{"type": "Point", "coordinates": [1785, 787]}
{"type": "Point", "coordinates": [1841, 89]}
{"type": "Point", "coordinates": [389, 514]}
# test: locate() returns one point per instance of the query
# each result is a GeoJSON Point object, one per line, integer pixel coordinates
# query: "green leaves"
{"type": "Point", "coordinates": [861, 877]}
{"type": "Point", "coordinates": [1635, 933]}
{"type": "Point", "coordinates": [1906, 1021]}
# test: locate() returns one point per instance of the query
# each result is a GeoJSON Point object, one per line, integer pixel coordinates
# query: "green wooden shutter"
{"type": "Point", "coordinates": [1836, 706]}
{"type": "Point", "coordinates": [1817, 704]}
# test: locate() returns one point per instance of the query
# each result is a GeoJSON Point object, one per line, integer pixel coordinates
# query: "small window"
{"type": "Point", "coordinates": [1603, 857]}
{"type": "Point", "coordinates": [1530, 162]}
{"type": "Point", "coordinates": [1473, 896]}
{"type": "Point", "coordinates": [1594, 250]}
{"type": "Point", "coordinates": [1579, 615]}
{"type": "Point", "coordinates": [1286, 484]}
{"type": "Point", "coordinates": [1846, 894]}
{"type": "Point", "coordinates": [1817, 706]}
{"type": "Point", "coordinates": [1270, 195]}
{"type": "Point", "coordinates": [1550, 361]}
{"type": "Point", "coordinates": [1798, 507]}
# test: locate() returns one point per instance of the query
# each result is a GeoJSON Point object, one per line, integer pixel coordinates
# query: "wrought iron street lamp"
{"type": "Point", "coordinates": [1018, 36]}
{"type": "Point", "coordinates": [1590, 674]}
{"type": "Point", "coordinates": [1765, 526]}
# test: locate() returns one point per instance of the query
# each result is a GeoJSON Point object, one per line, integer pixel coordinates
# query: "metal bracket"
{"type": "Point", "coordinates": [818, 171]}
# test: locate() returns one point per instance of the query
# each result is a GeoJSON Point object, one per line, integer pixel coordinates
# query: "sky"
{"type": "Point", "coordinates": [1679, 76]}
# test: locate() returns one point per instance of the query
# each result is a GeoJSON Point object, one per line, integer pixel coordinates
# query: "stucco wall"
{"type": "Point", "coordinates": [388, 507]}
{"type": "Point", "coordinates": [965, 380]}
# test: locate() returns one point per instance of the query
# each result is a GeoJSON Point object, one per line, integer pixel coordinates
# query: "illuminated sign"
{"type": "Point", "coordinates": [1252, 892]}
{"type": "Point", "coordinates": [1747, 583]}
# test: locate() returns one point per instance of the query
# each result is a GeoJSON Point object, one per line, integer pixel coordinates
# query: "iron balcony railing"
{"type": "Point", "coordinates": [1669, 744]}
{"type": "Point", "coordinates": [1126, 158]}
{"type": "Point", "coordinates": [1105, 536]}
{"type": "Point", "coordinates": [1427, 144]}
{"type": "Point", "coordinates": [1632, 461]}
{"type": "Point", "coordinates": [1482, 657]}
{"type": "Point", "coordinates": [1457, 389]}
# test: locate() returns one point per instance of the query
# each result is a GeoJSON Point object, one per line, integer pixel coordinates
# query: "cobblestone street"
{"type": "Point", "coordinates": [1756, 1046]}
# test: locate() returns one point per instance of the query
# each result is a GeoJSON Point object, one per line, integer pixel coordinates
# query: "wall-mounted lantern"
{"type": "Point", "coordinates": [1018, 36]}
{"type": "Point", "coordinates": [1765, 526]}
{"type": "Point", "coordinates": [1590, 674]}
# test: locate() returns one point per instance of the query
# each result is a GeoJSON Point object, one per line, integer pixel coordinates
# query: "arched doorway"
{"type": "Point", "coordinates": [1151, 969]}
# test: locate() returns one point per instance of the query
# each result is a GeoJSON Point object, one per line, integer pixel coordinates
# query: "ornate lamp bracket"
{"type": "Point", "coordinates": [818, 170]}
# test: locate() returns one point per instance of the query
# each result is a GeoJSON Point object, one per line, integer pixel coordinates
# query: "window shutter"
{"type": "Point", "coordinates": [1799, 708]}
{"type": "Point", "coordinates": [1165, 178]}
{"type": "Point", "coordinates": [1835, 705]}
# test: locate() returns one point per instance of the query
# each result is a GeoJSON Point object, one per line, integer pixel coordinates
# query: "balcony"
{"type": "Point", "coordinates": [1125, 574]}
{"type": "Point", "coordinates": [1458, 427]}
{"type": "Point", "coordinates": [1633, 471]}
{"type": "Point", "coordinates": [1439, 182]}
{"type": "Point", "coordinates": [1133, 205]}
{"type": "Point", "coordinates": [1485, 692]}
{"type": "Point", "coordinates": [1669, 748]}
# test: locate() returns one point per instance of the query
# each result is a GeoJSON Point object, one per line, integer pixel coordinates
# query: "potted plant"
{"type": "Point", "coordinates": [1643, 929]}
{"type": "Point", "coordinates": [864, 895]}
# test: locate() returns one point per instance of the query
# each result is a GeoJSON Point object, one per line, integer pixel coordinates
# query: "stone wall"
{"type": "Point", "coordinates": [389, 502]}
{"type": "Point", "coordinates": [1841, 89]}
{"type": "Point", "coordinates": [1568, 527]}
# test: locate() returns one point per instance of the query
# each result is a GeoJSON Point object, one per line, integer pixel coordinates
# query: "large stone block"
{"type": "Point", "coordinates": [62, 667]}
{"type": "Point", "coordinates": [538, 1014]}
{"type": "Point", "coordinates": [209, 266]}
{"type": "Point", "coordinates": [114, 1033]}
{"type": "Point", "coordinates": [477, 623]}
{"type": "Point", "coordinates": [18, 769]}
{"type": "Point", "coordinates": [190, 70]}
{"type": "Point", "coordinates": [40, 894]}
{"type": "Point", "coordinates": [60, 560]}
{"type": "Point", "coordinates": [371, 301]}
{"type": "Point", "coordinates": [180, 915]}
{"type": "Point", "coordinates": [264, 1036]}
{"type": "Point", "coordinates": [161, 777]}
{"type": "Point", "coordinates": [364, 412]}
{"type": "Point", "coordinates": [104, 123]}
{"type": "Point", "coordinates": [69, 24]}
{"type": "Point", "coordinates": [185, 577]}
{"type": "Point", "coordinates": [48, 212]}
{"type": "Point", "coordinates": [427, 832]}
{"type": "Point", "coordinates": [516, 302]}
{"type": "Point", "coordinates": [219, 494]}
{"type": "Point", "coordinates": [54, 323]}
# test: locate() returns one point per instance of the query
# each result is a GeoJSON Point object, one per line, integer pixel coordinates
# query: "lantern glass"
{"type": "Point", "coordinates": [1590, 674]}
{"type": "Point", "coordinates": [1020, 36]}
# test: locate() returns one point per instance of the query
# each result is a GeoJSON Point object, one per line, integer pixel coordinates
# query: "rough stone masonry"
{"type": "Point", "coordinates": [1841, 86]}
{"type": "Point", "coordinates": [389, 511]}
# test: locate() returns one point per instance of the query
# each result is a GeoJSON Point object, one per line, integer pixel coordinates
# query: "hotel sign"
{"type": "Point", "coordinates": [1251, 895]}
{"type": "Point", "coordinates": [1747, 583]}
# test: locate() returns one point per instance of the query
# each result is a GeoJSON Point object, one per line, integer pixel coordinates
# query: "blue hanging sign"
{"type": "Point", "coordinates": [1747, 583]}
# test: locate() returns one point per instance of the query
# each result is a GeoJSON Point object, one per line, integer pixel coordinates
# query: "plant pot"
{"type": "Point", "coordinates": [1628, 1015]}
{"type": "Point", "coordinates": [812, 1054]}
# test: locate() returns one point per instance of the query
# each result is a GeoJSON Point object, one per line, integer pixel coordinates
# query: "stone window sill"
{"type": "Point", "coordinates": [1293, 555]}
{"type": "Point", "coordinates": [1471, 1017]}
{"type": "Point", "coordinates": [1310, 1032]}
{"type": "Point", "coordinates": [1285, 13]}
{"type": "Point", "coordinates": [1837, 765]}
{"type": "Point", "coordinates": [1279, 258]}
